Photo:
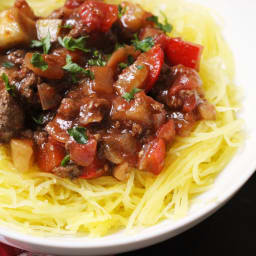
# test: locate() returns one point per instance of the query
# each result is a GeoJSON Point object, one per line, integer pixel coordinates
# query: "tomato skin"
{"type": "Point", "coordinates": [94, 170]}
{"type": "Point", "coordinates": [185, 53]}
{"type": "Point", "coordinates": [154, 59]}
{"type": "Point", "coordinates": [153, 156]}
{"type": "Point", "coordinates": [72, 4]}
{"type": "Point", "coordinates": [83, 154]}
{"type": "Point", "coordinates": [166, 131]}
{"type": "Point", "coordinates": [50, 155]}
{"type": "Point", "coordinates": [98, 16]}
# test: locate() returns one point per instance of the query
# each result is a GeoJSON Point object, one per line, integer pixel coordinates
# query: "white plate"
{"type": "Point", "coordinates": [239, 30]}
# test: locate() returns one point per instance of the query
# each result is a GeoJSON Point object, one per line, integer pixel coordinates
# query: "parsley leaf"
{"type": "Point", "coordinates": [9, 88]}
{"type": "Point", "coordinates": [123, 65]}
{"type": "Point", "coordinates": [37, 61]}
{"type": "Point", "coordinates": [143, 45]}
{"type": "Point", "coordinates": [97, 59]}
{"type": "Point", "coordinates": [45, 43]}
{"type": "Point", "coordinates": [73, 44]}
{"type": "Point", "coordinates": [78, 134]}
{"type": "Point", "coordinates": [121, 10]}
{"type": "Point", "coordinates": [65, 160]}
{"type": "Point", "coordinates": [139, 67]}
{"type": "Point", "coordinates": [130, 61]}
{"type": "Point", "coordinates": [130, 95]}
{"type": "Point", "coordinates": [166, 27]}
{"type": "Point", "coordinates": [38, 119]}
{"type": "Point", "coordinates": [75, 68]}
{"type": "Point", "coordinates": [8, 64]}
{"type": "Point", "coordinates": [68, 26]}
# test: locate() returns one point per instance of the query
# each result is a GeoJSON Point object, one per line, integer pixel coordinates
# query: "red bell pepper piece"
{"type": "Point", "coordinates": [98, 16]}
{"type": "Point", "coordinates": [153, 156]}
{"type": "Point", "coordinates": [6, 250]}
{"type": "Point", "coordinates": [154, 59]}
{"type": "Point", "coordinates": [50, 155]}
{"type": "Point", "coordinates": [94, 170]}
{"type": "Point", "coordinates": [185, 53]}
{"type": "Point", "coordinates": [83, 154]}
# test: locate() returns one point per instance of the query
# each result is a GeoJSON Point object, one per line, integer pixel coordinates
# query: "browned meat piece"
{"type": "Point", "coordinates": [70, 171]}
{"type": "Point", "coordinates": [17, 56]}
{"type": "Point", "coordinates": [40, 137]}
{"type": "Point", "coordinates": [11, 116]}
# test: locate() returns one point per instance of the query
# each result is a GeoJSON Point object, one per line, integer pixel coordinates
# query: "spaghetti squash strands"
{"type": "Point", "coordinates": [43, 203]}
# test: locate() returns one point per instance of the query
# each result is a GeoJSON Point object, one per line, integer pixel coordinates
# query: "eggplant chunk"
{"type": "Point", "coordinates": [17, 25]}
{"type": "Point", "coordinates": [51, 26]}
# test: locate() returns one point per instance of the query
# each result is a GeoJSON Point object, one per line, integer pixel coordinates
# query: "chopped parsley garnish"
{"type": "Point", "coordinates": [143, 45]}
{"type": "Point", "coordinates": [123, 65]}
{"type": "Point", "coordinates": [118, 45]}
{"type": "Point", "coordinates": [37, 61]}
{"type": "Point", "coordinates": [166, 27]}
{"type": "Point", "coordinates": [130, 61]}
{"type": "Point", "coordinates": [139, 67]}
{"type": "Point", "coordinates": [8, 64]}
{"type": "Point", "coordinates": [121, 11]}
{"type": "Point", "coordinates": [65, 160]}
{"type": "Point", "coordinates": [73, 44]}
{"type": "Point", "coordinates": [130, 95]}
{"type": "Point", "coordinates": [76, 69]}
{"type": "Point", "coordinates": [97, 59]}
{"type": "Point", "coordinates": [68, 26]}
{"type": "Point", "coordinates": [45, 43]}
{"type": "Point", "coordinates": [78, 134]}
{"type": "Point", "coordinates": [9, 88]}
{"type": "Point", "coordinates": [38, 119]}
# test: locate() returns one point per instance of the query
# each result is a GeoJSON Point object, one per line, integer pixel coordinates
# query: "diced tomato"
{"type": "Point", "coordinates": [94, 170]}
{"type": "Point", "coordinates": [154, 59]}
{"type": "Point", "coordinates": [166, 131]}
{"type": "Point", "coordinates": [54, 70]}
{"type": "Point", "coordinates": [98, 16]}
{"type": "Point", "coordinates": [185, 79]}
{"type": "Point", "coordinates": [50, 155]}
{"type": "Point", "coordinates": [83, 154]}
{"type": "Point", "coordinates": [153, 156]}
{"type": "Point", "coordinates": [72, 4]}
{"type": "Point", "coordinates": [185, 53]}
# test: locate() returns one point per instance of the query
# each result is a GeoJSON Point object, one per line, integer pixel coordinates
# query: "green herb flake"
{"type": "Point", "coordinates": [65, 160]}
{"type": "Point", "coordinates": [130, 95]}
{"type": "Point", "coordinates": [38, 119]}
{"type": "Point", "coordinates": [143, 45]}
{"type": "Point", "coordinates": [8, 64]}
{"type": "Point", "coordinates": [9, 88]}
{"type": "Point", "coordinates": [123, 65]}
{"type": "Point", "coordinates": [78, 134]}
{"type": "Point", "coordinates": [37, 61]}
{"type": "Point", "coordinates": [121, 10]}
{"type": "Point", "coordinates": [118, 45]}
{"type": "Point", "coordinates": [76, 69]}
{"type": "Point", "coordinates": [73, 44]}
{"type": "Point", "coordinates": [67, 26]}
{"type": "Point", "coordinates": [166, 27]}
{"type": "Point", "coordinates": [97, 59]}
{"type": "Point", "coordinates": [139, 67]}
{"type": "Point", "coordinates": [45, 43]}
{"type": "Point", "coordinates": [130, 59]}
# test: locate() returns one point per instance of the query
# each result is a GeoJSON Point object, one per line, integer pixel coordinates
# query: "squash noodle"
{"type": "Point", "coordinates": [43, 203]}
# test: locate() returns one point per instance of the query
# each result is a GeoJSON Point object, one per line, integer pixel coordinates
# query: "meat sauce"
{"type": "Point", "coordinates": [100, 89]}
